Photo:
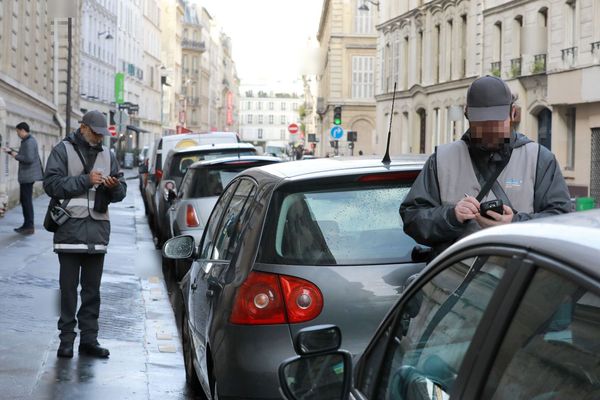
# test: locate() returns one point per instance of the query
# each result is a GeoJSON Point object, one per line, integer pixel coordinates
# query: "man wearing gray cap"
{"type": "Point", "coordinates": [83, 176]}
{"type": "Point", "coordinates": [490, 166]}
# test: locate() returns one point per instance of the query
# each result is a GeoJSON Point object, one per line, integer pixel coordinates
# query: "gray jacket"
{"type": "Point", "coordinates": [58, 184]}
{"type": "Point", "coordinates": [430, 223]}
{"type": "Point", "coordinates": [30, 165]}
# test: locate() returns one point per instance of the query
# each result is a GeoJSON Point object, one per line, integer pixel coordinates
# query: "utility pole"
{"type": "Point", "coordinates": [69, 56]}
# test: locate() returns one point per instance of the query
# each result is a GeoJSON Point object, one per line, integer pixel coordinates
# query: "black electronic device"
{"type": "Point", "coordinates": [492, 205]}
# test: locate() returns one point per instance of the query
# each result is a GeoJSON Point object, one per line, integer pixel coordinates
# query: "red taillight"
{"type": "Point", "coordinates": [159, 175]}
{"type": "Point", "coordinates": [191, 219]}
{"type": "Point", "coordinates": [259, 301]}
{"type": "Point", "coordinates": [390, 176]}
{"type": "Point", "coordinates": [303, 299]}
{"type": "Point", "coordinates": [275, 299]}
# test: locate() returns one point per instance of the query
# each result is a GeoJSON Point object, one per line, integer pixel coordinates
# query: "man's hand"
{"type": "Point", "coordinates": [496, 219]}
{"type": "Point", "coordinates": [466, 209]}
{"type": "Point", "coordinates": [96, 177]}
{"type": "Point", "coordinates": [111, 182]}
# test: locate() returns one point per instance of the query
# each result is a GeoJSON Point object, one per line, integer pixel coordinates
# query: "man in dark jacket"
{"type": "Point", "coordinates": [81, 241]}
{"type": "Point", "coordinates": [442, 205]}
{"type": "Point", "coordinates": [30, 171]}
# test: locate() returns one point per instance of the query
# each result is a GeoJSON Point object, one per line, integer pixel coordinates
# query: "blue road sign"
{"type": "Point", "coordinates": [337, 132]}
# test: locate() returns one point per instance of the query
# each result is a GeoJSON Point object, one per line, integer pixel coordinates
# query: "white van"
{"type": "Point", "coordinates": [278, 148]}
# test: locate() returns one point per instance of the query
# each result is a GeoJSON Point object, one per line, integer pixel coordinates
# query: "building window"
{"type": "Point", "coordinates": [436, 127]}
{"type": "Point", "coordinates": [496, 68]}
{"type": "Point", "coordinates": [270, 118]}
{"type": "Point", "coordinates": [437, 54]}
{"type": "Point", "coordinates": [260, 119]}
{"type": "Point", "coordinates": [396, 56]}
{"type": "Point", "coordinates": [282, 106]}
{"type": "Point", "coordinates": [260, 133]}
{"type": "Point", "coordinates": [463, 46]}
{"type": "Point", "coordinates": [405, 63]}
{"type": "Point", "coordinates": [249, 118]}
{"type": "Point", "coordinates": [420, 54]}
{"type": "Point", "coordinates": [271, 105]}
{"type": "Point", "coordinates": [249, 105]}
{"type": "Point", "coordinates": [363, 21]}
{"type": "Point", "coordinates": [282, 134]}
{"type": "Point", "coordinates": [571, 124]}
{"type": "Point", "coordinates": [283, 119]}
{"type": "Point", "coordinates": [295, 106]}
{"type": "Point", "coordinates": [363, 77]}
{"type": "Point", "coordinates": [258, 105]}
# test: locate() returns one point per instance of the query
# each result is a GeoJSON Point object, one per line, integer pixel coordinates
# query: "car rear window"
{"type": "Point", "coordinates": [209, 181]}
{"type": "Point", "coordinates": [181, 161]}
{"type": "Point", "coordinates": [346, 224]}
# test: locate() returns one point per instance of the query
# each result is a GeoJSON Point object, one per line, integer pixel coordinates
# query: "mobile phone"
{"type": "Point", "coordinates": [118, 175]}
{"type": "Point", "coordinates": [492, 205]}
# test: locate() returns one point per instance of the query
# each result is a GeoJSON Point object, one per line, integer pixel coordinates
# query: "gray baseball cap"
{"type": "Point", "coordinates": [488, 99]}
{"type": "Point", "coordinates": [97, 121]}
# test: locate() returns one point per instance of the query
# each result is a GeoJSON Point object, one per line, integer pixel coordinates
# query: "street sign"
{"type": "Point", "coordinates": [337, 132]}
{"type": "Point", "coordinates": [293, 128]}
{"type": "Point", "coordinates": [113, 130]}
{"type": "Point", "coordinates": [119, 88]}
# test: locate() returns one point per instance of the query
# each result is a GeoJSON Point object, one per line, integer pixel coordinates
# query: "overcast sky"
{"type": "Point", "coordinates": [268, 36]}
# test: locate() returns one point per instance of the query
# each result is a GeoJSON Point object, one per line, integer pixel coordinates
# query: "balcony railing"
{"type": "Point", "coordinates": [596, 52]}
{"type": "Point", "coordinates": [189, 44]}
{"type": "Point", "coordinates": [496, 68]}
{"type": "Point", "coordinates": [515, 67]}
{"type": "Point", "coordinates": [539, 64]}
{"type": "Point", "coordinates": [568, 56]}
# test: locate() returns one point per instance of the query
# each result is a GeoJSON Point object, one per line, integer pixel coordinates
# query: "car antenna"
{"type": "Point", "coordinates": [386, 157]}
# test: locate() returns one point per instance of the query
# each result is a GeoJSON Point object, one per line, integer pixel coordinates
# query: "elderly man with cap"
{"type": "Point", "coordinates": [78, 169]}
{"type": "Point", "coordinates": [490, 162]}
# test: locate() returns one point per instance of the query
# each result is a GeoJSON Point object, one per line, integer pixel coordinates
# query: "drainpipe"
{"type": "Point", "coordinates": [3, 160]}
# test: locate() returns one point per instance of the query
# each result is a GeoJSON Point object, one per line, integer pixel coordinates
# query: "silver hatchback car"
{"type": "Point", "coordinates": [290, 245]}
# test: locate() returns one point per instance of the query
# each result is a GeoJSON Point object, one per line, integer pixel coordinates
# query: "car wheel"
{"type": "Point", "coordinates": [188, 356]}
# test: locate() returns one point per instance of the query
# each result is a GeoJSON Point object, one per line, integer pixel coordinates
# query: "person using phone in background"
{"type": "Point", "coordinates": [78, 168]}
{"type": "Point", "coordinates": [445, 202]}
{"type": "Point", "coordinates": [30, 171]}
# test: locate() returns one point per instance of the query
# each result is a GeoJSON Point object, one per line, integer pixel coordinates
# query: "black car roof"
{"type": "Point", "coordinates": [223, 160]}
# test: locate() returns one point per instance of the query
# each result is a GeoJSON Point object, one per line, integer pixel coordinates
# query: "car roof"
{"type": "Point", "coordinates": [222, 160]}
{"type": "Point", "coordinates": [217, 146]}
{"type": "Point", "coordinates": [573, 238]}
{"type": "Point", "coordinates": [196, 135]}
{"type": "Point", "coordinates": [299, 170]}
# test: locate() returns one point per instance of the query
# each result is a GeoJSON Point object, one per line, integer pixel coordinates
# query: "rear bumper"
{"type": "Point", "coordinates": [247, 361]}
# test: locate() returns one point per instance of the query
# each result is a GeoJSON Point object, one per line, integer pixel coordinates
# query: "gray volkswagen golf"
{"type": "Point", "coordinates": [288, 246]}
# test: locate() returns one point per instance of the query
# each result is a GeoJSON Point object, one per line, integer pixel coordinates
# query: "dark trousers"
{"type": "Point", "coordinates": [26, 195]}
{"type": "Point", "coordinates": [90, 266]}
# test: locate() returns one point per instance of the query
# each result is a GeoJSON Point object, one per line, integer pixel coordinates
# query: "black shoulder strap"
{"type": "Point", "coordinates": [86, 169]}
{"type": "Point", "coordinates": [490, 182]}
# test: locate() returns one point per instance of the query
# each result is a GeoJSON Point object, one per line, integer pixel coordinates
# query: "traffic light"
{"type": "Point", "coordinates": [337, 115]}
{"type": "Point", "coordinates": [352, 136]}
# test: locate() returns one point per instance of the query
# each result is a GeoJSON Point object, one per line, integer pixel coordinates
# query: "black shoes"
{"type": "Point", "coordinates": [25, 231]}
{"type": "Point", "coordinates": [93, 349]}
{"type": "Point", "coordinates": [65, 350]}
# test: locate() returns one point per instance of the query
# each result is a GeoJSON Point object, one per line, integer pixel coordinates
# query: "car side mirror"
{"type": "Point", "coordinates": [143, 169]}
{"type": "Point", "coordinates": [324, 376]}
{"type": "Point", "coordinates": [318, 339]}
{"type": "Point", "coordinates": [180, 248]}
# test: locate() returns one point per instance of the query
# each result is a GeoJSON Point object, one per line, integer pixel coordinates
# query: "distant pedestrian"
{"type": "Point", "coordinates": [30, 171]}
{"type": "Point", "coordinates": [490, 162]}
{"type": "Point", "coordinates": [83, 172]}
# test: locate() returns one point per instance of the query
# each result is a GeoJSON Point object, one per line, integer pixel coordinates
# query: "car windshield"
{"type": "Point", "coordinates": [346, 225]}
{"type": "Point", "coordinates": [209, 181]}
{"type": "Point", "coordinates": [181, 161]}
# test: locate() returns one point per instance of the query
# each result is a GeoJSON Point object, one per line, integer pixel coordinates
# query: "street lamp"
{"type": "Point", "coordinates": [106, 35]}
{"type": "Point", "coordinates": [364, 7]}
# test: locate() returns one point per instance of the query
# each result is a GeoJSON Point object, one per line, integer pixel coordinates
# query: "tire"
{"type": "Point", "coordinates": [188, 355]}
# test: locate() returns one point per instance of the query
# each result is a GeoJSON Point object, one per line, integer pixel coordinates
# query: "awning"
{"type": "Point", "coordinates": [137, 129]}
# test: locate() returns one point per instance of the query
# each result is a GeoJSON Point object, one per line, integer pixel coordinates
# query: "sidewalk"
{"type": "Point", "coordinates": [136, 318]}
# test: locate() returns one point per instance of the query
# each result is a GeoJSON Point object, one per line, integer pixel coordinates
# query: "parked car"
{"type": "Point", "coordinates": [509, 313]}
{"type": "Point", "coordinates": [290, 245]}
{"type": "Point", "coordinates": [200, 189]}
{"type": "Point", "coordinates": [175, 166]}
{"type": "Point", "coordinates": [162, 147]}
{"type": "Point", "coordinates": [143, 170]}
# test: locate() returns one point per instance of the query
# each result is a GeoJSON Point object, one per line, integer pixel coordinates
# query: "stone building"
{"type": "Point", "coordinates": [33, 75]}
{"type": "Point", "coordinates": [348, 41]}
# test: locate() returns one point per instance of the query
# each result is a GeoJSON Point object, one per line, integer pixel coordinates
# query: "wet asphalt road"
{"type": "Point", "coordinates": [136, 317]}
